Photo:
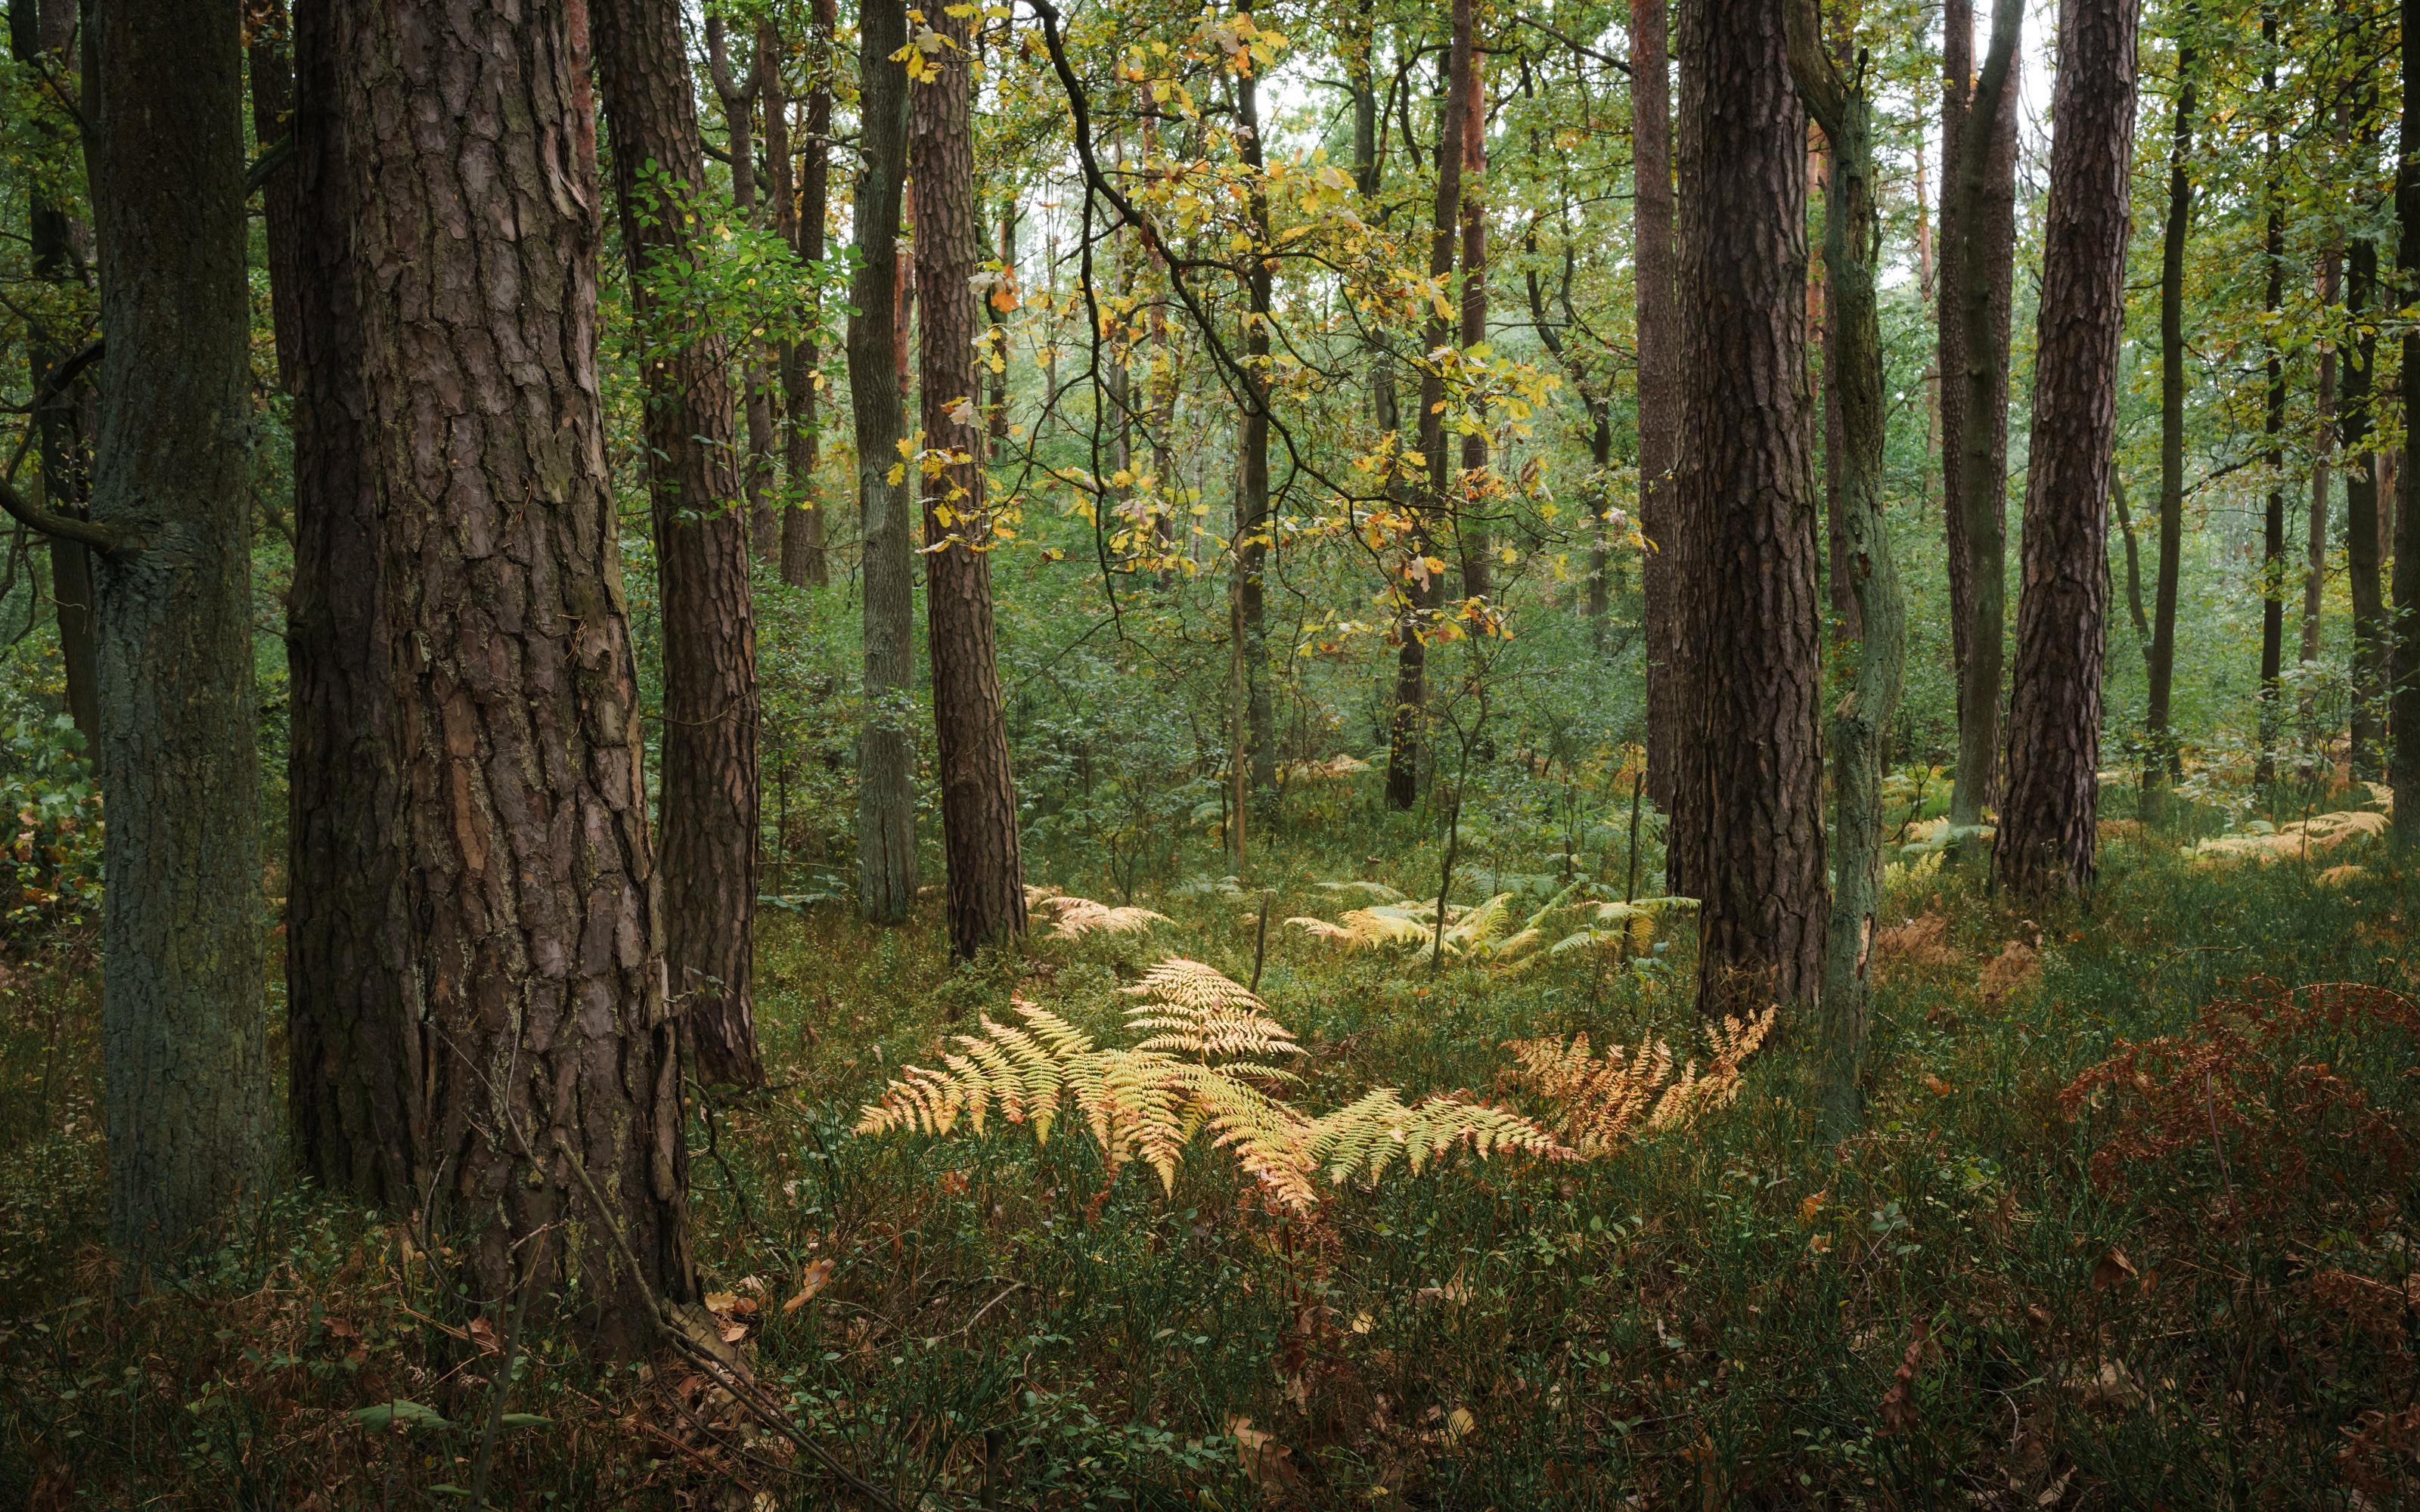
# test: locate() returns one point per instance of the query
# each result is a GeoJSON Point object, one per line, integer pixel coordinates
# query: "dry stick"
{"type": "Point", "coordinates": [743, 1391]}
{"type": "Point", "coordinates": [1260, 939]}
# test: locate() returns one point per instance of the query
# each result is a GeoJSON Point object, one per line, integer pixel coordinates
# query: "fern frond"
{"type": "Point", "coordinates": [1367, 1134]}
{"type": "Point", "coordinates": [1472, 929]}
{"type": "Point", "coordinates": [1604, 1100]}
{"type": "Point", "coordinates": [1197, 1009]}
{"type": "Point", "coordinates": [1074, 918]}
{"type": "Point", "coordinates": [1377, 890]}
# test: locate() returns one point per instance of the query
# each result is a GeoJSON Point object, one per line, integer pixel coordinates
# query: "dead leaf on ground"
{"type": "Point", "coordinates": [1899, 1403]}
{"type": "Point", "coordinates": [2111, 1269]}
{"type": "Point", "coordinates": [1267, 1463]}
{"type": "Point", "coordinates": [1921, 941]}
{"type": "Point", "coordinates": [817, 1276]}
{"type": "Point", "coordinates": [2017, 967]}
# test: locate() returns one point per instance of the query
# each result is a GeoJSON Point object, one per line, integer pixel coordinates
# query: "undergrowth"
{"type": "Point", "coordinates": [2130, 1224]}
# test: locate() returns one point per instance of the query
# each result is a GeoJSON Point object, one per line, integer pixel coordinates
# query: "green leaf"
{"type": "Point", "coordinates": [410, 1414]}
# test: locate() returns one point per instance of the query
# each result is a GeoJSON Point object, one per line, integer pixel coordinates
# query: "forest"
{"type": "Point", "coordinates": [771, 754]}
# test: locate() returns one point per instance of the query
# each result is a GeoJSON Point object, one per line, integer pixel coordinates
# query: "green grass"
{"type": "Point", "coordinates": [1935, 1314]}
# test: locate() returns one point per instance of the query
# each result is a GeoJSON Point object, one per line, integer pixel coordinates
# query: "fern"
{"type": "Point", "coordinates": [1605, 1100]}
{"type": "Point", "coordinates": [1203, 1065]}
{"type": "Point", "coordinates": [1074, 918]}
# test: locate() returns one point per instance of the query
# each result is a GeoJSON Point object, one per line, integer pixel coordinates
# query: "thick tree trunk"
{"type": "Point", "coordinates": [537, 951]}
{"type": "Point", "coordinates": [986, 881]}
{"type": "Point", "coordinates": [1655, 252]}
{"type": "Point", "coordinates": [2361, 521]}
{"type": "Point", "coordinates": [2160, 755]}
{"type": "Point", "coordinates": [184, 1058]}
{"type": "Point", "coordinates": [2273, 520]}
{"type": "Point", "coordinates": [1986, 258]}
{"type": "Point", "coordinates": [2049, 813]}
{"type": "Point", "coordinates": [1746, 483]}
{"type": "Point", "coordinates": [707, 808]}
{"type": "Point", "coordinates": [804, 526]}
{"type": "Point", "coordinates": [61, 249]}
{"type": "Point", "coordinates": [1421, 587]}
{"type": "Point", "coordinates": [886, 768]}
{"type": "Point", "coordinates": [358, 1052]}
{"type": "Point", "coordinates": [1254, 526]}
{"type": "Point", "coordinates": [1871, 637]}
{"type": "Point", "coordinates": [1472, 499]}
{"type": "Point", "coordinates": [2403, 759]}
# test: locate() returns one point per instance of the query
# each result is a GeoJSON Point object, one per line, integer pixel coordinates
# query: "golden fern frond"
{"type": "Point", "coordinates": [1369, 1134]}
{"type": "Point", "coordinates": [1391, 924]}
{"type": "Point", "coordinates": [1320, 929]}
{"type": "Point", "coordinates": [1693, 1096]}
{"type": "Point", "coordinates": [1025, 1069]}
{"type": "Point", "coordinates": [1472, 928]}
{"type": "Point", "coordinates": [1198, 1010]}
{"type": "Point", "coordinates": [1602, 1099]}
{"type": "Point", "coordinates": [1074, 918]}
{"type": "Point", "coordinates": [1377, 890]}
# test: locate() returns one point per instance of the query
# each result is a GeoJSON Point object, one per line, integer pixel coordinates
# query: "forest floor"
{"type": "Point", "coordinates": [2186, 1283]}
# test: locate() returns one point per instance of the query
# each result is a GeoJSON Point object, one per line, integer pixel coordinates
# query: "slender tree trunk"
{"type": "Point", "coordinates": [184, 1059]}
{"type": "Point", "coordinates": [2403, 760]}
{"type": "Point", "coordinates": [2134, 613]}
{"type": "Point", "coordinates": [358, 1052]}
{"type": "Point", "coordinates": [1746, 482]}
{"type": "Point", "coordinates": [1473, 499]}
{"type": "Point", "coordinates": [2273, 533]}
{"type": "Point", "coordinates": [61, 256]}
{"type": "Point", "coordinates": [1253, 526]}
{"type": "Point", "coordinates": [1986, 254]}
{"type": "Point", "coordinates": [1655, 255]}
{"type": "Point", "coordinates": [1956, 84]}
{"type": "Point", "coordinates": [978, 791]}
{"type": "Point", "coordinates": [2160, 756]}
{"type": "Point", "coordinates": [886, 768]}
{"type": "Point", "coordinates": [737, 90]}
{"type": "Point", "coordinates": [709, 784]}
{"type": "Point", "coordinates": [1872, 639]}
{"type": "Point", "coordinates": [805, 555]}
{"type": "Point", "coordinates": [2049, 814]}
{"type": "Point", "coordinates": [2360, 520]}
{"type": "Point", "coordinates": [268, 64]}
{"type": "Point", "coordinates": [537, 947]}
{"type": "Point", "coordinates": [802, 559]}
{"type": "Point", "coordinates": [1421, 587]}
{"type": "Point", "coordinates": [2315, 572]}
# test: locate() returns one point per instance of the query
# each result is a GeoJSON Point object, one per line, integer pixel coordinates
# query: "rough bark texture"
{"type": "Point", "coordinates": [268, 63]}
{"type": "Point", "coordinates": [357, 1051]}
{"type": "Point", "coordinates": [886, 768]}
{"type": "Point", "coordinates": [804, 555]}
{"type": "Point", "coordinates": [987, 881]}
{"type": "Point", "coordinates": [2160, 756]}
{"type": "Point", "coordinates": [1471, 500]}
{"type": "Point", "coordinates": [707, 808]}
{"type": "Point", "coordinates": [1252, 524]}
{"type": "Point", "coordinates": [1870, 636]}
{"type": "Point", "coordinates": [1746, 483]}
{"type": "Point", "coordinates": [183, 1054]}
{"type": "Point", "coordinates": [61, 257]}
{"type": "Point", "coordinates": [1655, 252]}
{"type": "Point", "coordinates": [2403, 757]}
{"type": "Point", "coordinates": [2272, 519]}
{"type": "Point", "coordinates": [537, 949]}
{"type": "Point", "coordinates": [1422, 589]}
{"type": "Point", "coordinates": [2355, 420]}
{"type": "Point", "coordinates": [2049, 811]}
{"type": "Point", "coordinates": [1986, 254]}
{"type": "Point", "coordinates": [1957, 83]}
{"type": "Point", "coordinates": [2323, 440]}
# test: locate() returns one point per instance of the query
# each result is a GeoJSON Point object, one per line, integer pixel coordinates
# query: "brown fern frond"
{"type": "Point", "coordinates": [1604, 1100]}
{"type": "Point", "coordinates": [1074, 918]}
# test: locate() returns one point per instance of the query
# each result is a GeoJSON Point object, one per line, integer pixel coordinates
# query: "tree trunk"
{"type": "Point", "coordinates": [1659, 412]}
{"type": "Point", "coordinates": [709, 802]}
{"type": "Point", "coordinates": [886, 768]}
{"type": "Point", "coordinates": [268, 63]}
{"type": "Point", "coordinates": [1472, 499]}
{"type": "Point", "coordinates": [978, 791]}
{"type": "Point", "coordinates": [183, 1057]}
{"type": "Point", "coordinates": [2160, 755]}
{"type": "Point", "coordinates": [1986, 255]}
{"type": "Point", "coordinates": [2272, 522]}
{"type": "Point", "coordinates": [1252, 523]}
{"type": "Point", "coordinates": [2403, 759]}
{"type": "Point", "coordinates": [358, 1052]}
{"type": "Point", "coordinates": [1872, 638]}
{"type": "Point", "coordinates": [1746, 483]}
{"type": "Point", "coordinates": [804, 553]}
{"type": "Point", "coordinates": [1957, 83]}
{"type": "Point", "coordinates": [537, 951]}
{"type": "Point", "coordinates": [2315, 572]}
{"type": "Point", "coordinates": [738, 94]}
{"type": "Point", "coordinates": [1421, 587]}
{"type": "Point", "coordinates": [61, 249]}
{"type": "Point", "coordinates": [2360, 520]}
{"type": "Point", "coordinates": [2051, 807]}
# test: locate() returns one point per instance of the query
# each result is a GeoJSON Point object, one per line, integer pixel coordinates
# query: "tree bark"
{"type": "Point", "coordinates": [738, 94]}
{"type": "Point", "coordinates": [986, 881]}
{"type": "Point", "coordinates": [537, 947]}
{"type": "Point", "coordinates": [2315, 572]}
{"type": "Point", "coordinates": [2361, 519]}
{"type": "Point", "coordinates": [268, 63]}
{"type": "Point", "coordinates": [886, 799]}
{"type": "Point", "coordinates": [1421, 589]}
{"type": "Point", "coordinates": [358, 1052]}
{"type": "Point", "coordinates": [804, 553]}
{"type": "Point", "coordinates": [2160, 755]}
{"type": "Point", "coordinates": [1746, 482]}
{"type": "Point", "coordinates": [707, 817]}
{"type": "Point", "coordinates": [184, 1058]}
{"type": "Point", "coordinates": [1653, 253]}
{"type": "Point", "coordinates": [1957, 83]}
{"type": "Point", "coordinates": [2273, 520]}
{"type": "Point", "coordinates": [61, 254]}
{"type": "Point", "coordinates": [1472, 500]}
{"type": "Point", "coordinates": [2049, 813]}
{"type": "Point", "coordinates": [1983, 274]}
{"type": "Point", "coordinates": [1870, 638]}
{"type": "Point", "coordinates": [1253, 526]}
{"type": "Point", "coordinates": [2403, 758]}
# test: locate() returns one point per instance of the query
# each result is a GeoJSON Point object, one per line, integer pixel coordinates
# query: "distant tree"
{"type": "Point", "coordinates": [1659, 412]}
{"type": "Point", "coordinates": [2404, 718]}
{"type": "Point", "coordinates": [2161, 757]}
